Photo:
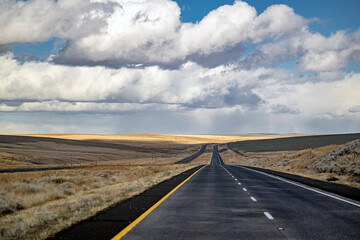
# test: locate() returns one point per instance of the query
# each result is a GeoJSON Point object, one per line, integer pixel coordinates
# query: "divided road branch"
{"type": "Point", "coordinates": [192, 157]}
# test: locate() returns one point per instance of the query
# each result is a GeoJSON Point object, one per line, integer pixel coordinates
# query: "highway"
{"type": "Point", "coordinates": [192, 157]}
{"type": "Point", "coordinates": [230, 202]}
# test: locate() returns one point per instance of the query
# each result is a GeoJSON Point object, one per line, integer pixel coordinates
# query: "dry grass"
{"type": "Point", "coordinates": [308, 163]}
{"type": "Point", "coordinates": [36, 205]}
{"type": "Point", "coordinates": [11, 160]}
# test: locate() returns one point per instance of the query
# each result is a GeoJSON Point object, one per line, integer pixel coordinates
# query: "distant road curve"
{"type": "Point", "coordinates": [236, 151]}
{"type": "Point", "coordinates": [189, 159]}
{"type": "Point", "coordinates": [216, 159]}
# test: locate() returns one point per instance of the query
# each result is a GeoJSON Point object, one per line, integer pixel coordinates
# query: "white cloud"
{"type": "Point", "coordinates": [190, 85]}
{"type": "Point", "coordinates": [329, 54]}
{"type": "Point", "coordinates": [39, 20]}
{"type": "Point", "coordinates": [36, 86]}
{"type": "Point", "coordinates": [164, 39]}
{"type": "Point", "coordinates": [314, 99]}
{"type": "Point", "coordinates": [313, 51]}
{"type": "Point", "coordinates": [107, 32]}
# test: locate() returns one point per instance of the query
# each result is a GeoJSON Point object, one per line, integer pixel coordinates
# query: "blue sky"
{"type": "Point", "coordinates": [154, 67]}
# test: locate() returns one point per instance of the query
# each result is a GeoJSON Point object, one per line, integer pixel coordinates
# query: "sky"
{"type": "Point", "coordinates": [179, 67]}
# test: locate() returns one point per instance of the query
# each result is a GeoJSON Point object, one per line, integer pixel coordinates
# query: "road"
{"type": "Point", "coordinates": [192, 157]}
{"type": "Point", "coordinates": [236, 151]}
{"type": "Point", "coordinates": [229, 202]}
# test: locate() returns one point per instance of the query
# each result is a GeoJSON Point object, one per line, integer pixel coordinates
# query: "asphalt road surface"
{"type": "Point", "coordinates": [192, 157]}
{"type": "Point", "coordinates": [229, 202]}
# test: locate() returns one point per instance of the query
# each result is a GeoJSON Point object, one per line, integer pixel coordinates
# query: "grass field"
{"type": "Point", "coordinates": [301, 156]}
{"type": "Point", "coordinates": [35, 205]}
{"type": "Point", "coordinates": [293, 143]}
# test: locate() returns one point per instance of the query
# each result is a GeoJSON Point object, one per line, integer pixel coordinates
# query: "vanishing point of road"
{"type": "Point", "coordinates": [231, 202]}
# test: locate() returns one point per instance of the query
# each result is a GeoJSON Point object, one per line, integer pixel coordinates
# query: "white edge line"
{"type": "Point", "coordinates": [268, 215]}
{"type": "Point", "coordinates": [254, 199]}
{"type": "Point", "coordinates": [299, 185]}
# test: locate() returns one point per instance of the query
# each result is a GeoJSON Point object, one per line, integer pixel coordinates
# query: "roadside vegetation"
{"type": "Point", "coordinates": [335, 163]}
{"type": "Point", "coordinates": [35, 205]}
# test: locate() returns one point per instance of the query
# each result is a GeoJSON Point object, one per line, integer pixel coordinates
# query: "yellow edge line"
{"type": "Point", "coordinates": [133, 224]}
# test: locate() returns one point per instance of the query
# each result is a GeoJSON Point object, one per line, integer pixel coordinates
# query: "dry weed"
{"type": "Point", "coordinates": [38, 204]}
{"type": "Point", "coordinates": [328, 162]}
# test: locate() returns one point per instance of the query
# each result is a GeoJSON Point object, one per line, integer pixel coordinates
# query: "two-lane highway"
{"type": "Point", "coordinates": [299, 211]}
{"type": "Point", "coordinates": [216, 159]}
{"type": "Point", "coordinates": [229, 202]}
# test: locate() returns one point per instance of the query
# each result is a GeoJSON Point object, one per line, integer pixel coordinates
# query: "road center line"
{"type": "Point", "coordinates": [245, 189]}
{"type": "Point", "coordinates": [254, 199]}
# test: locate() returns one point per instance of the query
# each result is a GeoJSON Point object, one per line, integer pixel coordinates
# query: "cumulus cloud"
{"type": "Point", "coordinates": [41, 86]}
{"type": "Point", "coordinates": [313, 52]}
{"type": "Point", "coordinates": [107, 32]}
{"type": "Point", "coordinates": [191, 85]}
{"type": "Point", "coordinates": [40, 20]}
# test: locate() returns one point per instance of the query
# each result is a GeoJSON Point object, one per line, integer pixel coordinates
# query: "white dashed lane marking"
{"type": "Point", "coordinates": [268, 215]}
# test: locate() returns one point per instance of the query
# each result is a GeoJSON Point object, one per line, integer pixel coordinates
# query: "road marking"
{"type": "Point", "coordinates": [239, 183]}
{"type": "Point", "coordinates": [245, 189]}
{"type": "Point", "coordinates": [254, 199]}
{"type": "Point", "coordinates": [134, 223]}
{"type": "Point", "coordinates": [308, 188]}
{"type": "Point", "coordinates": [268, 215]}
{"type": "Point", "coordinates": [235, 179]}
